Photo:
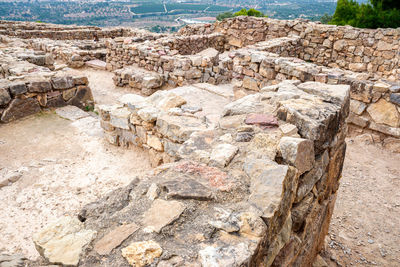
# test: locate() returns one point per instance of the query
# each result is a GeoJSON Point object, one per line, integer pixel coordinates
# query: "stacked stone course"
{"type": "Point", "coordinates": [359, 50]}
{"type": "Point", "coordinates": [28, 84]}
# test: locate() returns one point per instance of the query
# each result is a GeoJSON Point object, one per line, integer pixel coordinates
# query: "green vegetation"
{"type": "Point", "coordinates": [251, 12]}
{"type": "Point", "coordinates": [224, 15]}
{"type": "Point", "coordinates": [243, 12]}
{"type": "Point", "coordinates": [374, 14]}
{"type": "Point", "coordinates": [325, 18]}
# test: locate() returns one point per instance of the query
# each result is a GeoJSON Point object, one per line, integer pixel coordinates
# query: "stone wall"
{"type": "Point", "coordinates": [30, 30]}
{"type": "Point", "coordinates": [163, 56]}
{"type": "Point", "coordinates": [254, 67]}
{"type": "Point", "coordinates": [73, 53]}
{"type": "Point", "coordinates": [359, 50]}
{"type": "Point", "coordinates": [250, 182]}
{"type": "Point", "coordinates": [27, 96]}
{"type": "Point", "coordinates": [375, 105]}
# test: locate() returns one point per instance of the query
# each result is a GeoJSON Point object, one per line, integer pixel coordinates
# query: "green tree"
{"type": "Point", "coordinates": [224, 15]}
{"type": "Point", "coordinates": [346, 12]}
{"type": "Point", "coordinates": [374, 14]}
{"type": "Point", "coordinates": [325, 18]}
{"type": "Point", "coordinates": [251, 12]}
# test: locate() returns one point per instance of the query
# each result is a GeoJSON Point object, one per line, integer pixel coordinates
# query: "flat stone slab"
{"type": "Point", "coordinates": [11, 260]}
{"type": "Point", "coordinates": [161, 214]}
{"type": "Point", "coordinates": [114, 238]}
{"type": "Point", "coordinates": [185, 187]}
{"type": "Point", "coordinates": [71, 113]}
{"type": "Point", "coordinates": [96, 64]}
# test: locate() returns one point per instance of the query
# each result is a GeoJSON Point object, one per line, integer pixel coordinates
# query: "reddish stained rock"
{"type": "Point", "coordinates": [214, 176]}
{"type": "Point", "coordinates": [265, 120]}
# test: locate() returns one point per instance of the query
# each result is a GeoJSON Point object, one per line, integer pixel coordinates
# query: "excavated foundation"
{"type": "Point", "coordinates": [247, 144]}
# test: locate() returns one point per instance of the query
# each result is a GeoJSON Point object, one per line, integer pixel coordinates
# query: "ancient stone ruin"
{"type": "Point", "coordinates": [245, 123]}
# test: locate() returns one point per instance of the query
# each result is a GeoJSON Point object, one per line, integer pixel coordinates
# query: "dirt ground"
{"type": "Point", "coordinates": [365, 227]}
{"type": "Point", "coordinates": [66, 164]}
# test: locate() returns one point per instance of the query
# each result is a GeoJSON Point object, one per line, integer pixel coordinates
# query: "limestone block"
{"type": "Point", "coordinates": [154, 142]}
{"type": "Point", "coordinates": [140, 254]}
{"type": "Point", "coordinates": [161, 214]}
{"type": "Point", "coordinates": [18, 88]}
{"type": "Point", "coordinates": [222, 154]}
{"type": "Point", "coordinates": [385, 113]}
{"type": "Point", "coordinates": [119, 118]}
{"type": "Point", "coordinates": [250, 83]}
{"type": "Point", "coordinates": [114, 238]}
{"type": "Point", "coordinates": [39, 86]}
{"type": "Point", "coordinates": [298, 152]}
{"type": "Point", "coordinates": [20, 108]}
{"type": "Point", "coordinates": [357, 107]}
{"type": "Point", "coordinates": [61, 83]}
{"type": "Point", "coordinates": [5, 97]}
{"type": "Point", "coordinates": [148, 114]}
{"type": "Point", "coordinates": [63, 242]}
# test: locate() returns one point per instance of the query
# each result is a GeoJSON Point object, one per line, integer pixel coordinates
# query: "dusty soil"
{"type": "Point", "coordinates": [64, 165]}
{"type": "Point", "coordinates": [365, 228]}
{"type": "Point", "coordinates": [103, 88]}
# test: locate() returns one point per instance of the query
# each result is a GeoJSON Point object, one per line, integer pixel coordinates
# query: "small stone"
{"type": "Point", "coordinates": [266, 120]}
{"type": "Point", "coordinates": [288, 129]}
{"type": "Point", "coordinates": [297, 152]}
{"type": "Point", "coordinates": [244, 136]}
{"type": "Point", "coordinates": [161, 214]}
{"type": "Point", "coordinates": [395, 99]}
{"type": "Point", "coordinates": [319, 262]}
{"type": "Point", "coordinates": [4, 96]}
{"type": "Point", "coordinates": [250, 83]}
{"type": "Point", "coordinates": [148, 114]}
{"type": "Point", "coordinates": [114, 238]}
{"type": "Point", "coordinates": [171, 101]}
{"type": "Point", "coordinates": [222, 154]}
{"type": "Point", "coordinates": [71, 113]}
{"type": "Point", "coordinates": [153, 191]}
{"type": "Point", "coordinates": [357, 107]}
{"type": "Point", "coordinates": [187, 188]}
{"type": "Point", "coordinates": [154, 142]}
{"type": "Point", "coordinates": [140, 254]}
{"type": "Point", "coordinates": [232, 255]}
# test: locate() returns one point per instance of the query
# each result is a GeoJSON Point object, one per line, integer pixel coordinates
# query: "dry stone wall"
{"type": "Point", "coordinates": [27, 84]}
{"type": "Point", "coordinates": [360, 50]}
{"type": "Point", "coordinates": [163, 56]}
{"type": "Point", "coordinates": [30, 30]}
{"type": "Point", "coordinates": [24, 97]}
{"type": "Point", "coordinates": [374, 104]}
{"type": "Point", "coordinates": [250, 182]}
{"type": "Point", "coordinates": [262, 63]}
